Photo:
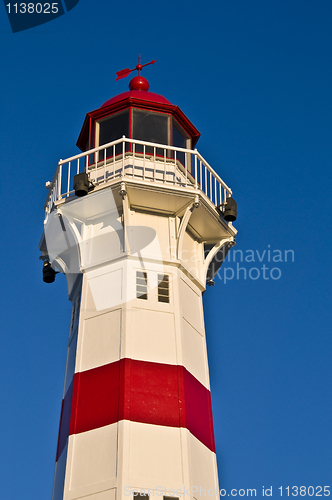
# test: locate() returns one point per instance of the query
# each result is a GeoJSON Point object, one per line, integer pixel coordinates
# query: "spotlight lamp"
{"type": "Point", "coordinates": [228, 210]}
{"type": "Point", "coordinates": [48, 272]}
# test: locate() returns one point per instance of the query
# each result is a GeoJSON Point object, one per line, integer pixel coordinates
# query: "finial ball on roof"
{"type": "Point", "coordinates": [139, 83]}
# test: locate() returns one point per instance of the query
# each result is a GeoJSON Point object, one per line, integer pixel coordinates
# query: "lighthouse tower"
{"type": "Point", "coordinates": [139, 223]}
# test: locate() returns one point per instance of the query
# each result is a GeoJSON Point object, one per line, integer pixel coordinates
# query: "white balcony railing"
{"type": "Point", "coordinates": [138, 160]}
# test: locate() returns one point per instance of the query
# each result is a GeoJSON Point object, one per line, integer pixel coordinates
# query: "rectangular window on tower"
{"type": "Point", "coordinates": [163, 288]}
{"type": "Point", "coordinates": [140, 496]}
{"type": "Point", "coordinates": [141, 285]}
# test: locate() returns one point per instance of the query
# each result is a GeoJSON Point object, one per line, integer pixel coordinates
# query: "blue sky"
{"type": "Point", "coordinates": [255, 78]}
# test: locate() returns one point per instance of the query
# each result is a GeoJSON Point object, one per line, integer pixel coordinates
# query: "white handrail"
{"type": "Point", "coordinates": [186, 173]}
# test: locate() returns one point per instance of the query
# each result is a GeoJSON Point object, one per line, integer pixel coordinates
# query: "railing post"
{"type": "Point", "coordinates": [123, 154]}
{"type": "Point", "coordinates": [154, 163]}
{"type": "Point", "coordinates": [210, 187]}
{"type": "Point", "coordinates": [96, 161]}
{"type": "Point", "coordinates": [134, 151]}
{"type": "Point", "coordinates": [186, 169]}
{"type": "Point", "coordinates": [59, 181]}
{"type": "Point", "coordinates": [105, 165]}
{"type": "Point", "coordinates": [68, 180]}
{"type": "Point", "coordinates": [113, 161]}
{"type": "Point", "coordinates": [195, 168]}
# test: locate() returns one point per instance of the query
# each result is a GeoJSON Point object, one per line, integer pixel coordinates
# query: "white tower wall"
{"type": "Point", "coordinates": [140, 415]}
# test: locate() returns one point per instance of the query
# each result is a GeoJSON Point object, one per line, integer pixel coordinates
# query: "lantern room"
{"type": "Point", "coordinates": [140, 115]}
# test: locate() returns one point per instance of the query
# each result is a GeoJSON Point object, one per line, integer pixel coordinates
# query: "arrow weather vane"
{"type": "Point", "coordinates": [125, 72]}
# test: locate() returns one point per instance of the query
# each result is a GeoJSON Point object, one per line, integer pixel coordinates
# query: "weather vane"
{"type": "Point", "coordinates": [125, 72]}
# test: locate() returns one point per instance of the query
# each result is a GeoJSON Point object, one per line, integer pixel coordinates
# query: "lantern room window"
{"type": "Point", "coordinates": [113, 128]}
{"type": "Point", "coordinates": [180, 140]}
{"type": "Point", "coordinates": [151, 127]}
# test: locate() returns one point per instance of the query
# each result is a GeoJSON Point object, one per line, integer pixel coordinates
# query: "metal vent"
{"type": "Point", "coordinates": [163, 288]}
{"type": "Point", "coordinates": [141, 285]}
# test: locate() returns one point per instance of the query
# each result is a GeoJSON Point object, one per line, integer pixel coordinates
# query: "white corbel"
{"type": "Point", "coordinates": [215, 250]}
{"type": "Point", "coordinates": [183, 226]}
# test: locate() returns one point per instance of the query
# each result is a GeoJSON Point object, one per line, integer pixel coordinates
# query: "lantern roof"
{"type": "Point", "coordinates": [144, 95]}
{"type": "Point", "coordinates": [138, 96]}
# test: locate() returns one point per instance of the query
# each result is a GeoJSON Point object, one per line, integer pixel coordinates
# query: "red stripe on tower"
{"type": "Point", "coordinates": [140, 391]}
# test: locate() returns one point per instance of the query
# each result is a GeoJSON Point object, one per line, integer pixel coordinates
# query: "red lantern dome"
{"type": "Point", "coordinates": [138, 114]}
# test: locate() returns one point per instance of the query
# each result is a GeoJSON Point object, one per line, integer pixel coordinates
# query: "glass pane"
{"type": "Point", "coordinates": [113, 128]}
{"type": "Point", "coordinates": [141, 285]}
{"type": "Point", "coordinates": [91, 143]}
{"type": "Point", "coordinates": [150, 127]}
{"type": "Point", "coordinates": [92, 137]}
{"type": "Point", "coordinates": [163, 288]}
{"type": "Point", "coordinates": [179, 138]}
